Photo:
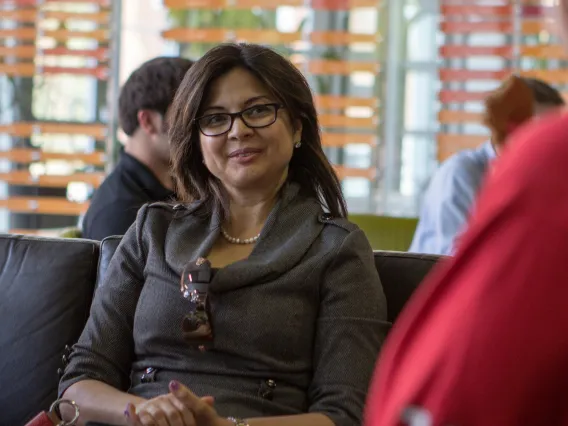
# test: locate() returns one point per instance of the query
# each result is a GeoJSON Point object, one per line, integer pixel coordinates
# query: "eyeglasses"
{"type": "Point", "coordinates": [255, 117]}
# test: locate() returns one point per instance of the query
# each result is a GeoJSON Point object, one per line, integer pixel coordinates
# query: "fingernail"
{"type": "Point", "coordinates": [174, 385]}
{"type": "Point", "coordinates": [127, 410]}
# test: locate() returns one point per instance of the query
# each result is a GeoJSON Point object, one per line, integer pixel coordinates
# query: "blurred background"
{"type": "Point", "coordinates": [399, 86]}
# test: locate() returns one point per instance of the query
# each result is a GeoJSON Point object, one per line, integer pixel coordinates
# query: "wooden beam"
{"type": "Point", "coordinates": [341, 38]}
{"type": "Point", "coordinates": [338, 140]}
{"type": "Point", "coordinates": [25, 178]}
{"type": "Point", "coordinates": [26, 156]}
{"type": "Point", "coordinates": [449, 144]}
{"type": "Point", "coordinates": [342, 102]}
{"type": "Point", "coordinates": [43, 205]}
{"type": "Point", "coordinates": [448, 74]}
{"type": "Point", "coordinates": [335, 67]}
{"type": "Point", "coordinates": [464, 51]}
{"type": "Point", "coordinates": [27, 129]}
{"type": "Point", "coordinates": [343, 122]}
{"type": "Point", "coordinates": [447, 116]}
{"type": "Point", "coordinates": [353, 172]}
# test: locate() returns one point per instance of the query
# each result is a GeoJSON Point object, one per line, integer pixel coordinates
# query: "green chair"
{"type": "Point", "coordinates": [386, 233]}
{"type": "Point", "coordinates": [72, 232]}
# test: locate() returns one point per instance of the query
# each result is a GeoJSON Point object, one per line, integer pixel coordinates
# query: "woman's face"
{"type": "Point", "coordinates": [246, 158]}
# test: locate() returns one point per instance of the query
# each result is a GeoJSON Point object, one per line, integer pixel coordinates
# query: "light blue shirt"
{"type": "Point", "coordinates": [449, 199]}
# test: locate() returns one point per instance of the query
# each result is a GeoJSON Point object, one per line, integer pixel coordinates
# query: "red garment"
{"type": "Point", "coordinates": [485, 340]}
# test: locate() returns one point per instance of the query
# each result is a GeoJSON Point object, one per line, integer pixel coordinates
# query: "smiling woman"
{"type": "Point", "coordinates": [254, 290]}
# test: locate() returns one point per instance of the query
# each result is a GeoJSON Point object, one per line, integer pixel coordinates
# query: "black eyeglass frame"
{"type": "Point", "coordinates": [239, 114]}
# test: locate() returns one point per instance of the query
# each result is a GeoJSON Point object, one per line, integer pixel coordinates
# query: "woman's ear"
{"type": "Point", "coordinates": [297, 137]}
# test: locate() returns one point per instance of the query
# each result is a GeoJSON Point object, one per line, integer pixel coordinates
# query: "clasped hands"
{"type": "Point", "coordinates": [180, 407]}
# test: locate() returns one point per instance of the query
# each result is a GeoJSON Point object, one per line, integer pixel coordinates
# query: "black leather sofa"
{"type": "Point", "coordinates": [46, 286]}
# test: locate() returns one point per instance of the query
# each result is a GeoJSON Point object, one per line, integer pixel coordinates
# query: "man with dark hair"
{"type": "Point", "coordinates": [453, 189]}
{"type": "Point", "coordinates": [142, 175]}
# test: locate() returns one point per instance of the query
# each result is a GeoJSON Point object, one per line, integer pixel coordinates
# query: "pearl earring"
{"type": "Point", "coordinates": [298, 144]}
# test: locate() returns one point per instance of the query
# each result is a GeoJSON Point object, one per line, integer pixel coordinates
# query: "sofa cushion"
{"type": "Point", "coordinates": [108, 247]}
{"type": "Point", "coordinates": [401, 273]}
{"type": "Point", "coordinates": [46, 287]}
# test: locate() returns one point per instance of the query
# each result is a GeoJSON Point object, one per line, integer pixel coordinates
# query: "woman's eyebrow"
{"type": "Point", "coordinates": [245, 103]}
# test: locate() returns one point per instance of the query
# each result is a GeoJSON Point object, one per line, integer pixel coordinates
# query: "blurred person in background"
{"type": "Point", "coordinates": [142, 174]}
{"type": "Point", "coordinates": [453, 189]}
{"type": "Point", "coordinates": [484, 341]}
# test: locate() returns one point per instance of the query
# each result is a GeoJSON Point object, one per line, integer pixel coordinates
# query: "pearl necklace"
{"type": "Point", "coordinates": [234, 240]}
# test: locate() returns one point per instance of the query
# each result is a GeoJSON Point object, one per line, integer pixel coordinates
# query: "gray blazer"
{"type": "Point", "coordinates": [297, 325]}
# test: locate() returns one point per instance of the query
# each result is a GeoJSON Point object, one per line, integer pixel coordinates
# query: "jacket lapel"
{"type": "Point", "coordinates": [191, 236]}
{"type": "Point", "coordinates": [289, 232]}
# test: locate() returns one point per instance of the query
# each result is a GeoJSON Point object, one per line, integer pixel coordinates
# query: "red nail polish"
{"type": "Point", "coordinates": [174, 385]}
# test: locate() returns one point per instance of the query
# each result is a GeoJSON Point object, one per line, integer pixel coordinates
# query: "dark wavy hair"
{"type": "Point", "coordinates": [309, 166]}
{"type": "Point", "coordinates": [151, 86]}
{"type": "Point", "coordinates": [544, 93]}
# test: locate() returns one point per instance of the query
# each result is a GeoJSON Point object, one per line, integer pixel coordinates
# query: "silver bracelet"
{"type": "Point", "coordinates": [237, 421]}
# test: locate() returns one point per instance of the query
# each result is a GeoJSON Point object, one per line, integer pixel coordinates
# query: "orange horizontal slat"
{"type": "Point", "coordinates": [342, 139]}
{"type": "Point", "coordinates": [22, 177]}
{"type": "Point", "coordinates": [218, 35]}
{"type": "Point", "coordinates": [342, 121]}
{"type": "Point", "coordinates": [447, 116]}
{"type": "Point", "coordinates": [544, 51]}
{"type": "Point", "coordinates": [23, 52]}
{"type": "Point", "coordinates": [461, 96]}
{"type": "Point", "coordinates": [28, 69]}
{"type": "Point", "coordinates": [98, 17]}
{"type": "Point", "coordinates": [104, 3]}
{"type": "Point", "coordinates": [551, 76]}
{"type": "Point", "coordinates": [530, 27]}
{"type": "Point", "coordinates": [461, 27]}
{"type": "Point", "coordinates": [101, 53]}
{"type": "Point", "coordinates": [22, 69]}
{"type": "Point", "coordinates": [65, 35]}
{"type": "Point", "coordinates": [20, 33]}
{"type": "Point", "coordinates": [31, 15]}
{"type": "Point", "coordinates": [341, 38]}
{"type": "Point", "coordinates": [466, 75]}
{"type": "Point", "coordinates": [269, 4]}
{"type": "Point", "coordinates": [352, 172]}
{"type": "Point", "coordinates": [59, 35]}
{"type": "Point", "coordinates": [25, 156]}
{"type": "Point", "coordinates": [449, 144]}
{"type": "Point", "coordinates": [20, 15]}
{"type": "Point", "coordinates": [342, 102]}
{"type": "Point", "coordinates": [30, 52]}
{"type": "Point", "coordinates": [475, 10]}
{"type": "Point", "coordinates": [266, 36]}
{"type": "Point", "coordinates": [460, 51]}
{"type": "Point", "coordinates": [26, 129]}
{"type": "Point", "coordinates": [323, 66]}
{"type": "Point", "coordinates": [44, 205]}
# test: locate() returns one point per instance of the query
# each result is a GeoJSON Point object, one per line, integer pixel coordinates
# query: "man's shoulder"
{"type": "Point", "coordinates": [464, 166]}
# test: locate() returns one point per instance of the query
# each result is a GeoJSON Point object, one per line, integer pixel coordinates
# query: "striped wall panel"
{"type": "Point", "coordinates": [54, 156]}
{"type": "Point", "coordinates": [484, 42]}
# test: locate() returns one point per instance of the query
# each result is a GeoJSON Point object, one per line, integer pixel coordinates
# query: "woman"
{"type": "Point", "coordinates": [247, 292]}
{"type": "Point", "coordinates": [484, 342]}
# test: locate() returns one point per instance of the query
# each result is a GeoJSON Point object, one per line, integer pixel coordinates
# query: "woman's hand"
{"type": "Point", "coordinates": [178, 408]}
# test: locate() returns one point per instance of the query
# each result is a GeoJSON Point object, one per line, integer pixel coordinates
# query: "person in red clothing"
{"type": "Point", "coordinates": [485, 341]}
